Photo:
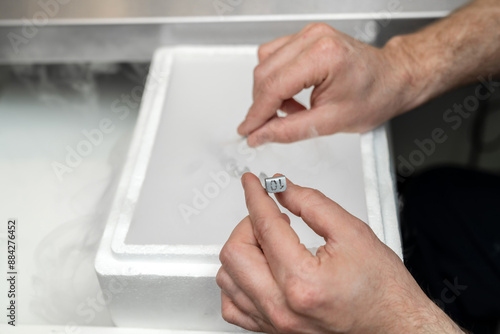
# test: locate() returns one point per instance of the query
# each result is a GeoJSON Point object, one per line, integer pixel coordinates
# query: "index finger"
{"type": "Point", "coordinates": [279, 242]}
{"type": "Point", "coordinates": [269, 48]}
{"type": "Point", "coordinates": [284, 82]}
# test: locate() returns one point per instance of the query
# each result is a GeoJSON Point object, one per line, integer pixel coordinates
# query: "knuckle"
{"type": "Point", "coordinates": [319, 28]}
{"type": "Point", "coordinates": [309, 26]}
{"type": "Point", "coordinates": [311, 200]}
{"type": "Point", "coordinates": [363, 227]}
{"type": "Point", "coordinates": [268, 84]}
{"type": "Point", "coordinates": [262, 51]}
{"type": "Point", "coordinates": [310, 195]}
{"type": "Point", "coordinates": [326, 45]}
{"type": "Point", "coordinates": [303, 300]}
{"type": "Point", "coordinates": [262, 226]}
{"type": "Point", "coordinates": [309, 266]}
{"type": "Point", "coordinates": [303, 296]}
{"type": "Point", "coordinates": [362, 230]}
{"type": "Point", "coordinates": [228, 312]}
{"type": "Point", "coordinates": [223, 255]}
{"type": "Point", "coordinates": [283, 322]}
{"type": "Point", "coordinates": [285, 326]}
{"type": "Point", "coordinates": [228, 252]}
{"type": "Point", "coordinates": [258, 73]}
{"type": "Point", "coordinates": [219, 279]}
{"type": "Point", "coordinates": [322, 28]}
{"type": "Point", "coordinates": [280, 129]}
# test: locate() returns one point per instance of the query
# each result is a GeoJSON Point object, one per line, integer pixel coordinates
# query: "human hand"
{"type": "Point", "coordinates": [271, 283]}
{"type": "Point", "coordinates": [356, 86]}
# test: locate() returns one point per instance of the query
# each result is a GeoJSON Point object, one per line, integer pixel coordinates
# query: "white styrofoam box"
{"type": "Point", "coordinates": [180, 196]}
{"type": "Point", "coordinates": [59, 329]}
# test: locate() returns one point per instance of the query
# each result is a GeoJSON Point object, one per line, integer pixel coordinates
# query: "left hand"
{"type": "Point", "coordinates": [354, 284]}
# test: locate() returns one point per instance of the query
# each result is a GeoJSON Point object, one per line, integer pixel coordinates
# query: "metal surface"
{"type": "Point", "coordinates": [53, 31]}
{"type": "Point", "coordinates": [147, 11]}
{"type": "Point", "coordinates": [276, 184]}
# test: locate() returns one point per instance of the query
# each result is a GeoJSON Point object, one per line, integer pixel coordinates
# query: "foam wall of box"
{"type": "Point", "coordinates": [156, 265]}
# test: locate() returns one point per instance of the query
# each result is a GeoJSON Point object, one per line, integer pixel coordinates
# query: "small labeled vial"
{"type": "Point", "coordinates": [275, 184]}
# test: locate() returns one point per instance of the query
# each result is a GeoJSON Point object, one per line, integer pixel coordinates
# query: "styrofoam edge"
{"type": "Point", "coordinates": [52, 329]}
{"type": "Point", "coordinates": [106, 264]}
{"type": "Point", "coordinates": [312, 17]}
{"type": "Point", "coordinates": [380, 188]}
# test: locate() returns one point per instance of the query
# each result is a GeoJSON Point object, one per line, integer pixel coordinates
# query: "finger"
{"type": "Point", "coordinates": [270, 92]}
{"type": "Point", "coordinates": [289, 49]}
{"type": "Point", "coordinates": [244, 262]}
{"type": "Point", "coordinates": [284, 54]}
{"type": "Point", "coordinates": [240, 299]}
{"type": "Point", "coordinates": [232, 314]}
{"type": "Point", "coordinates": [285, 217]}
{"type": "Point", "coordinates": [294, 127]}
{"type": "Point", "coordinates": [266, 49]}
{"type": "Point", "coordinates": [279, 242]}
{"type": "Point", "coordinates": [291, 106]}
{"type": "Point", "coordinates": [325, 217]}
{"type": "Point", "coordinates": [309, 33]}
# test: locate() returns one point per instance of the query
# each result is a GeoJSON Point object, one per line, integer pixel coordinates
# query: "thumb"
{"type": "Point", "coordinates": [325, 217]}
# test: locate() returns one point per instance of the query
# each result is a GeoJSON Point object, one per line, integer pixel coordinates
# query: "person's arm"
{"type": "Point", "coordinates": [353, 284]}
{"type": "Point", "coordinates": [356, 86]}
{"type": "Point", "coordinates": [460, 49]}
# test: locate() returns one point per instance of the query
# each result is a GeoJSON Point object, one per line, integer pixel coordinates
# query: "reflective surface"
{"type": "Point", "coordinates": [117, 11]}
{"type": "Point", "coordinates": [122, 31]}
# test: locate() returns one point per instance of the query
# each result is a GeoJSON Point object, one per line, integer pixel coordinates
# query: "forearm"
{"type": "Point", "coordinates": [431, 320]}
{"type": "Point", "coordinates": [411, 311]}
{"type": "Point", "coordinates": [452, 52]}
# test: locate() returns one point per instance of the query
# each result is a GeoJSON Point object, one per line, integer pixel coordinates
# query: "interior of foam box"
{"type": "Point", "coordinates": [192, 193]}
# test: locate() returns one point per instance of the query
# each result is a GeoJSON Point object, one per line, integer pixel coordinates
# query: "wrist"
{"type": "Point", "coordinates": [416, 74]}
{"type": "Point", "coordinates": [433, 320]}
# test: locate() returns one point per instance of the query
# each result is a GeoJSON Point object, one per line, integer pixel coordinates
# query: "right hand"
{"type": "Point", "coordinates": [356, 86]}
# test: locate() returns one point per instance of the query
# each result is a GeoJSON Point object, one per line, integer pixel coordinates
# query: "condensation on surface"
{"type": "Point", "coordinates": [43, 110]}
